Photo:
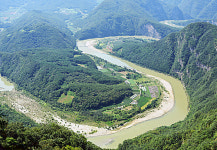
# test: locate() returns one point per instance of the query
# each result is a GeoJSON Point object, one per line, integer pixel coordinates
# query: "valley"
{"type": "Point", "coordinates": [173, 114]}
{"type": "Point", "coordinates": [81, 74]}
{"type": "Point", "coordinates": [41, 112]}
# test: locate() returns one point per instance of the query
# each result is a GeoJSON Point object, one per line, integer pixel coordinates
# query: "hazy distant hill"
{"type": "Point", "coordinates": [197, 9]}
{"type": "Point", "coordinates": [126, 17]}
{"type": "Point", "coordinates": [34, 30]}
{"type": "Point", "coordinates": [191, 56]}
{"type": "Point", "coordinates": [49, 5]}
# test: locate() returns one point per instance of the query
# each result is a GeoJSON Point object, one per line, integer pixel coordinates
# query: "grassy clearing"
{"type": "Point", "coordinates": [132, 82]}
{"type": "Point", "coordinates": [128, 108]}
{"type": "Point", "coordinates": [77, 56]}
{"type": "Point", "coordinates": [66, 99]}
{"type": "Point", "coordinates": [104, 70]}
{"type": "Point", "coordinates": [112, 73]}
{"type": "Point", "coordinates": [143, 101]}
{"type": "Point", "coordinates": [143, 107]}
{"type": "Point", "coordinates": [143, 80]}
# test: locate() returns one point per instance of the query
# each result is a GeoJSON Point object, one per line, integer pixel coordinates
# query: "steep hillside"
{"type": "Point", "coordinates": [34, 30]}
{"type": "Point", "coordinates": [193, 7]}
{"type": "Point", "coordinates": [49, 73]}
{"type": "Point", "coordinates": [51, 136]}
{"type": "Point", "coordinates": [40, 58]}
{"type": "Point", "coordinates": [196, 9]}
{"type": "Point", "coordinates": [195, 63]}
{"type": "Point", "coordinates": [137, 17]}
{"type": "Point", "coordinates": [12, 116]}
{"type": "Point", "coordinates": [157, 55]}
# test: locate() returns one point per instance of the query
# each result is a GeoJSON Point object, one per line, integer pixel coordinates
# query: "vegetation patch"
{"type": "Point", "coordinates": [77, 55]}
{"type": "Point", "coordinates": [148, 103]}
{"type": "Point", "coordinates": [117, 114]}
{"type": "Point", "coordinates": [66, 98]}
{"type": "Point", "coordinates": [143, 101]}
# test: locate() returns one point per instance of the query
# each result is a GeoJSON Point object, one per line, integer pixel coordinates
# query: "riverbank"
{"type": "Point", "coordinates": [36, 111]}
{"type": "Point", "coordinates": [152, 119]}
{"type": "Point", "coordinates": [168, 113]}
{"type": "Point", "coordinates": [166, 105]}
{"type": "Point", "coordinates": [89, 131]}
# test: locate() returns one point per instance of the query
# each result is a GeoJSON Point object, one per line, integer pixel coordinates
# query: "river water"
{"type": "Point", "coordinates": [178, 113]}
{"type": "Point", "coordinates": [5, 85]}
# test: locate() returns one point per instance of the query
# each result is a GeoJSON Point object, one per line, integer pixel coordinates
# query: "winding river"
{"type": "Point", "coordinates": [178, 112]}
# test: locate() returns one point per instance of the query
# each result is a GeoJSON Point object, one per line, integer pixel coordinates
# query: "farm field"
{"type": "Point", "coordinates": [141, 100]}
{"type": "Point", "coordinates": [66, 98]}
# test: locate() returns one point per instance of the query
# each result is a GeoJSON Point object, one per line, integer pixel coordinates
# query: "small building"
{"type": "Point", "coordinates": [134, 96]}
{"type": "Point", "coordinates": [134, 102]}
{"type": "Point", "coordinates": [127, 82]}
{"type": "Point", "coordinates": [99, 67]}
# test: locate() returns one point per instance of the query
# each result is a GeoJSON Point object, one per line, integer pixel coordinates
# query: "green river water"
{"type": "Point", "coordinates": [178, 113]}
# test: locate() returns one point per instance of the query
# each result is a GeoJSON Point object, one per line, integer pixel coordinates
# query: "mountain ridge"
{"type": "Point", "coordinates": [130, 18]}
{"type": "Point", "coordinates": [35, 29]}
{"type": "Point", "coordinates": [195, 64]}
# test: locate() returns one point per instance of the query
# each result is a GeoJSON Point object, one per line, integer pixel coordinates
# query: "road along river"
{"type": "Point", "coordinates": [178, 109]}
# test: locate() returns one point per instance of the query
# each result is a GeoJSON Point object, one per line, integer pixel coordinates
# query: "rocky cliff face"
{"type": "Point", "coordinates": [151, 31]}
{"type": "Point", "coordinates": [195, 50]}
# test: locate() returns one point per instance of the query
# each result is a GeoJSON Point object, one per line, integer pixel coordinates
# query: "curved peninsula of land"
{"type": "Point", "coordinates": [174, 106]}
{"type": "Point", "coordinates": [168, 98]}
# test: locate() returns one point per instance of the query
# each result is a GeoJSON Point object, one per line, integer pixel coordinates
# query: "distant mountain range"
{"type": "Point", "coordinates": [38, 53]}
{"type": "Point", "coordinates": [126, 17]}
{"type": "Point", "coordinates": [49, 5]}
{"type": "Point", "coordinates": [99, 18]}
{"type": "Point", "coordinates": [140, 17]}
{"type": "Point", "coordinates": [34, 30]}
{"type": "Point", "coordinates": [197, 9]}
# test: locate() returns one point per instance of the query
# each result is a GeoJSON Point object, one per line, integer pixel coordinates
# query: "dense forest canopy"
{"type": "Point", "coordinates": [112, 18]}
{"type": "Point", "coordinates": [38, 53]}
{"type": "Point", "coordinates": [195, 9]}
{"type": "Point", "coordinates": [42, 60]}
{"type": "Point", "coordinates": [194, 62]}
{"type": "Point", "coordinates": [50, 136]}
{"type": "Point", "coordinates": [35, 30]}
{"type": "Point", "coordinates": [48, 74]}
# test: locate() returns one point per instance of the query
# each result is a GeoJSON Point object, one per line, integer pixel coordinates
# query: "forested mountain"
{"type": "Point", "coordinates": [50, 136]}
{"type": "Point", "coordinates": [126, 17]}
{"type": "Point", "coordinates": [12, 116]}
{"type": "Point", "coordinates": [35, 30]}
{"type": "Point", "coordinates": [49, 73]}
{"type": "Point", "coordinates": [49, 5]}
{"type": "Point", "coordinates": [191, 56]}
{"type": "Point", "coordinates": [197, 9]}
{"type": "Point", "coordinates": [38, 53]}
{"type": "Point", "coordinates": [42, 61]}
